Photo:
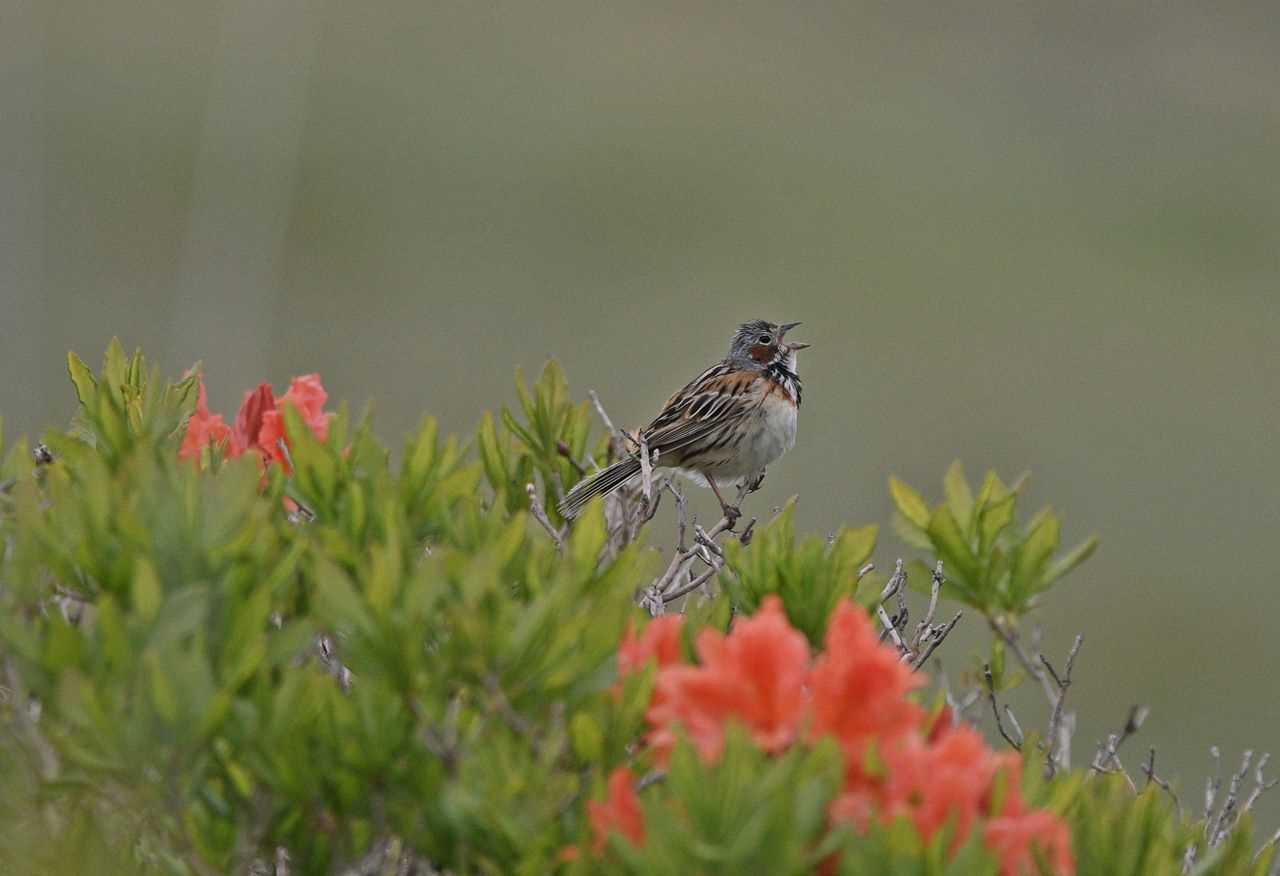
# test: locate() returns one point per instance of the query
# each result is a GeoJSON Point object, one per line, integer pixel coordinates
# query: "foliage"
{"type": "Point", "coordinates": [213, 658]}
{"type": "Point", "coordinates": [810, 576]}
{"type": "Point", "coordinates": [993, 562]}
{"type": "Point", "coordinates": [553, 433]}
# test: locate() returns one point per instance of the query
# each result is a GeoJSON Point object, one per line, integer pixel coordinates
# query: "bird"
{"type": "Point", "coordinates": [724, 426]}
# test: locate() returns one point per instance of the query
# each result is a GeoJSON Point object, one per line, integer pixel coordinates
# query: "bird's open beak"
{"type": "Point", "coordinates": [786, 327]}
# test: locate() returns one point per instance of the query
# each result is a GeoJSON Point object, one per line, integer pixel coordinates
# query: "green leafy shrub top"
{"type": "Point", "coordinates": [276, 647]}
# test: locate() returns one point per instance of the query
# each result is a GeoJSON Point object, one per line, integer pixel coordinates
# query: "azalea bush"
{"type": "Point", "coordinates": [264, 643]}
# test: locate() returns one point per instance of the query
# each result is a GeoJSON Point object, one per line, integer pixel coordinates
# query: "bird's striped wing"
{"type": "Point", "coordinates": [716, 398]}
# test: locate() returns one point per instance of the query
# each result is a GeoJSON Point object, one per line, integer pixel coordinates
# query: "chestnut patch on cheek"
{"type": "Point", "coordinates": [762, 353]}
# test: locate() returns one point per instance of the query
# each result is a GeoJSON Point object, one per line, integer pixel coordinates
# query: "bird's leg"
{"type": "Point", "coordinates": [731, 513]}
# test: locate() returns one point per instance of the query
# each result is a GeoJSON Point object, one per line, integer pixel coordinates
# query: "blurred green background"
{"type": "Point", "coordinates": [1037, 236]}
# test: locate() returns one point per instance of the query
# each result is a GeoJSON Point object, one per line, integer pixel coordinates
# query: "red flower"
{"type": "Point", "coordinates": [204, 430]}
{"type": "Point", "coordinates": [1016, 839]}
{"type": "Point", "coordinates": [860, 690]}
{"type": "Point", "coordinates": [660, 641]}
{"type": "Point", "coordinates": [307, 396]}
{"type": "Point", "coordinates": [619, 812]}
{"type": "Point", "coordinates": [259, 423]}
{"type": "Point", "coordinates": [856, 807]}
{"type": "Point", "coordinates": [249, 420]}
{"type": "Point", "coordinates": [755, 676]}
{"type": "Point", "coordinates": [899, 762]}
{"type": "Point", "coordinates": [947, 781]}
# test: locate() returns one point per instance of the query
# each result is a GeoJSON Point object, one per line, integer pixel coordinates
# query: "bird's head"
{"type": "Point", "coordinates": [762, 343]}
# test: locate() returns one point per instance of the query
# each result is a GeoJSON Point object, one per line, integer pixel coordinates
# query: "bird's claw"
{"type": "Point", "coordinates": [731, 514]}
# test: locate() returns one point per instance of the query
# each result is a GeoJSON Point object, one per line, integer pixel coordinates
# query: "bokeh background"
{"type": "Point", "coordinates": [1037, 236]}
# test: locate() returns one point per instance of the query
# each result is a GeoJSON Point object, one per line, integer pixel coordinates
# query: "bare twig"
{"type": "Point", "coordinates": [917, 650]}
{"type": "Point", "coordinates": [1219, 825]}
{"type": "Point", "coordinates": [959, 707]}
{"type": "Point", "coordinates": [564, 451]}
{"type": "Point", "coordinates": [1062, 723]}
{"type": "Point", "coordinates": [675, 581]}
{"type": "Point", "coordinates": [692, 585]}
{"type": "Point", "coordinates": [1013, 722]}
{"type": "Point", "coordinates": [1013, 641]}
{"type": "Point", "coordinates": [1261, 785]}
{"type": "Point", "coordinates": [935, 588]}
{"type": "Point", "coordinates": [1107, 758]}
{"type": "Point", "coordinates": [682, 511]}
{"type": "Point", "coordinates": [701, 537]}
{"type": "Point", "coordinates": [540, 514]}
{"type": "Point", "coordinates": [651, 601]}
{"type": "Point", "coordinates": [1226, 816]}
{"type": "Point", "coordinates": [995, 708]}
{"type": "Point", "coordinates": [1212, 785]}
{"type": "Point", "coordinates": [896, 582]}
{"type": "Point", "coordinates": [933, 638]}
{"type": "Point", "coordinates": [1059, 753]}
{"type": "Point", "coordinates": [646, 470]}
{"type": "Point", "coordinates": [517, 722]}
{"type": "Point", "coordinates": [889, 629]}
{"type": "Point", "coordinates": [617, 434]}
{"type": "Point", "coordinates": [1149, 770]}
{"type": "Point", "coordinates": [650, 778]}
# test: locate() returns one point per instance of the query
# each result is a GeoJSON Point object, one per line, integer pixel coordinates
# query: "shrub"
{"type": "Point", "coordinates": [260, 646]}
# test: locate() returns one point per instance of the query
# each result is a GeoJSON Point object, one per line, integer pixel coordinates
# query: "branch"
{"type": "Point", "coordinates": [1061, 724]}
{"type": "Point", "coordinates": [604, 416]}
{"type": "Point", "coordinates": [1059, 754]}
{"type": "Point", "coordinates": [646, 470]}
{"type": "Point", "coordinates": [540, 514]}
{"type": "Point", "coordinates": [564, 451]}
{"type": "Point", "coordinates": [891, 630]}
{"type": "Point", "coordinates": [1108, 753]}
{"type": "Point", "coordinates": [995, 708]}
{"type": "Point", "coordinates": [1149, 770]}
{"type": "Point", "coordinates": [666, 587]}
{"type": "Point", "coordinates": [934, 638]}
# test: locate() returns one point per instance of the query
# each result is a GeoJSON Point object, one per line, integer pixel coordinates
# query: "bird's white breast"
{"type": "Point", "coordinates": [774, 435]}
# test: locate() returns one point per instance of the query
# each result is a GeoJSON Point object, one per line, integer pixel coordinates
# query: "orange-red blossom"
{"type": "Point", "coordinates": [259, 423]}
{"type": "Point", "coordinates": [763, 677]}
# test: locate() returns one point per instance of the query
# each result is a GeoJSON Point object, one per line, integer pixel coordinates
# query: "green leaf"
{"type": "Point", "coordinates": [491, 455]}
{"type": "Point", "coordinates": [1034, 553]}
{"type": "Point", "coordinates": [959, 496]}
{"type": "Point", "coordinates": [950, 545]}
{"type": "Point", "coordinates": [145, 595]}
{"type": "Point", "coordinates": [163, 698]}
{"type": "Point", "coordinates": [588, 740]}
{"type": "Point", "coordinates": [181, 614]}
{"type": "Point", "coordinates": [338, 602]}
{"type": "Point", "coordinates": [994, 519]}
{"type": "Point", "coordinates": [1068, 562]}
{"type": "Point", "coordinates": [82, 379]}
{"type": "Point", "coordinates": [115, 369]}
{"type": "Point", "coordinates": [315, 465]}
{"type": "Point", "coordinates": [911, 505]}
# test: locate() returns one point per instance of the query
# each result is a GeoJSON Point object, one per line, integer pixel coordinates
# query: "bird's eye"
{"type": "Point", "coordinates": [765, 339]}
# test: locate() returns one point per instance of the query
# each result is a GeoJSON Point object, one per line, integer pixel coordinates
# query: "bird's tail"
{"type": "Point", "coordinates": [601, 484]}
